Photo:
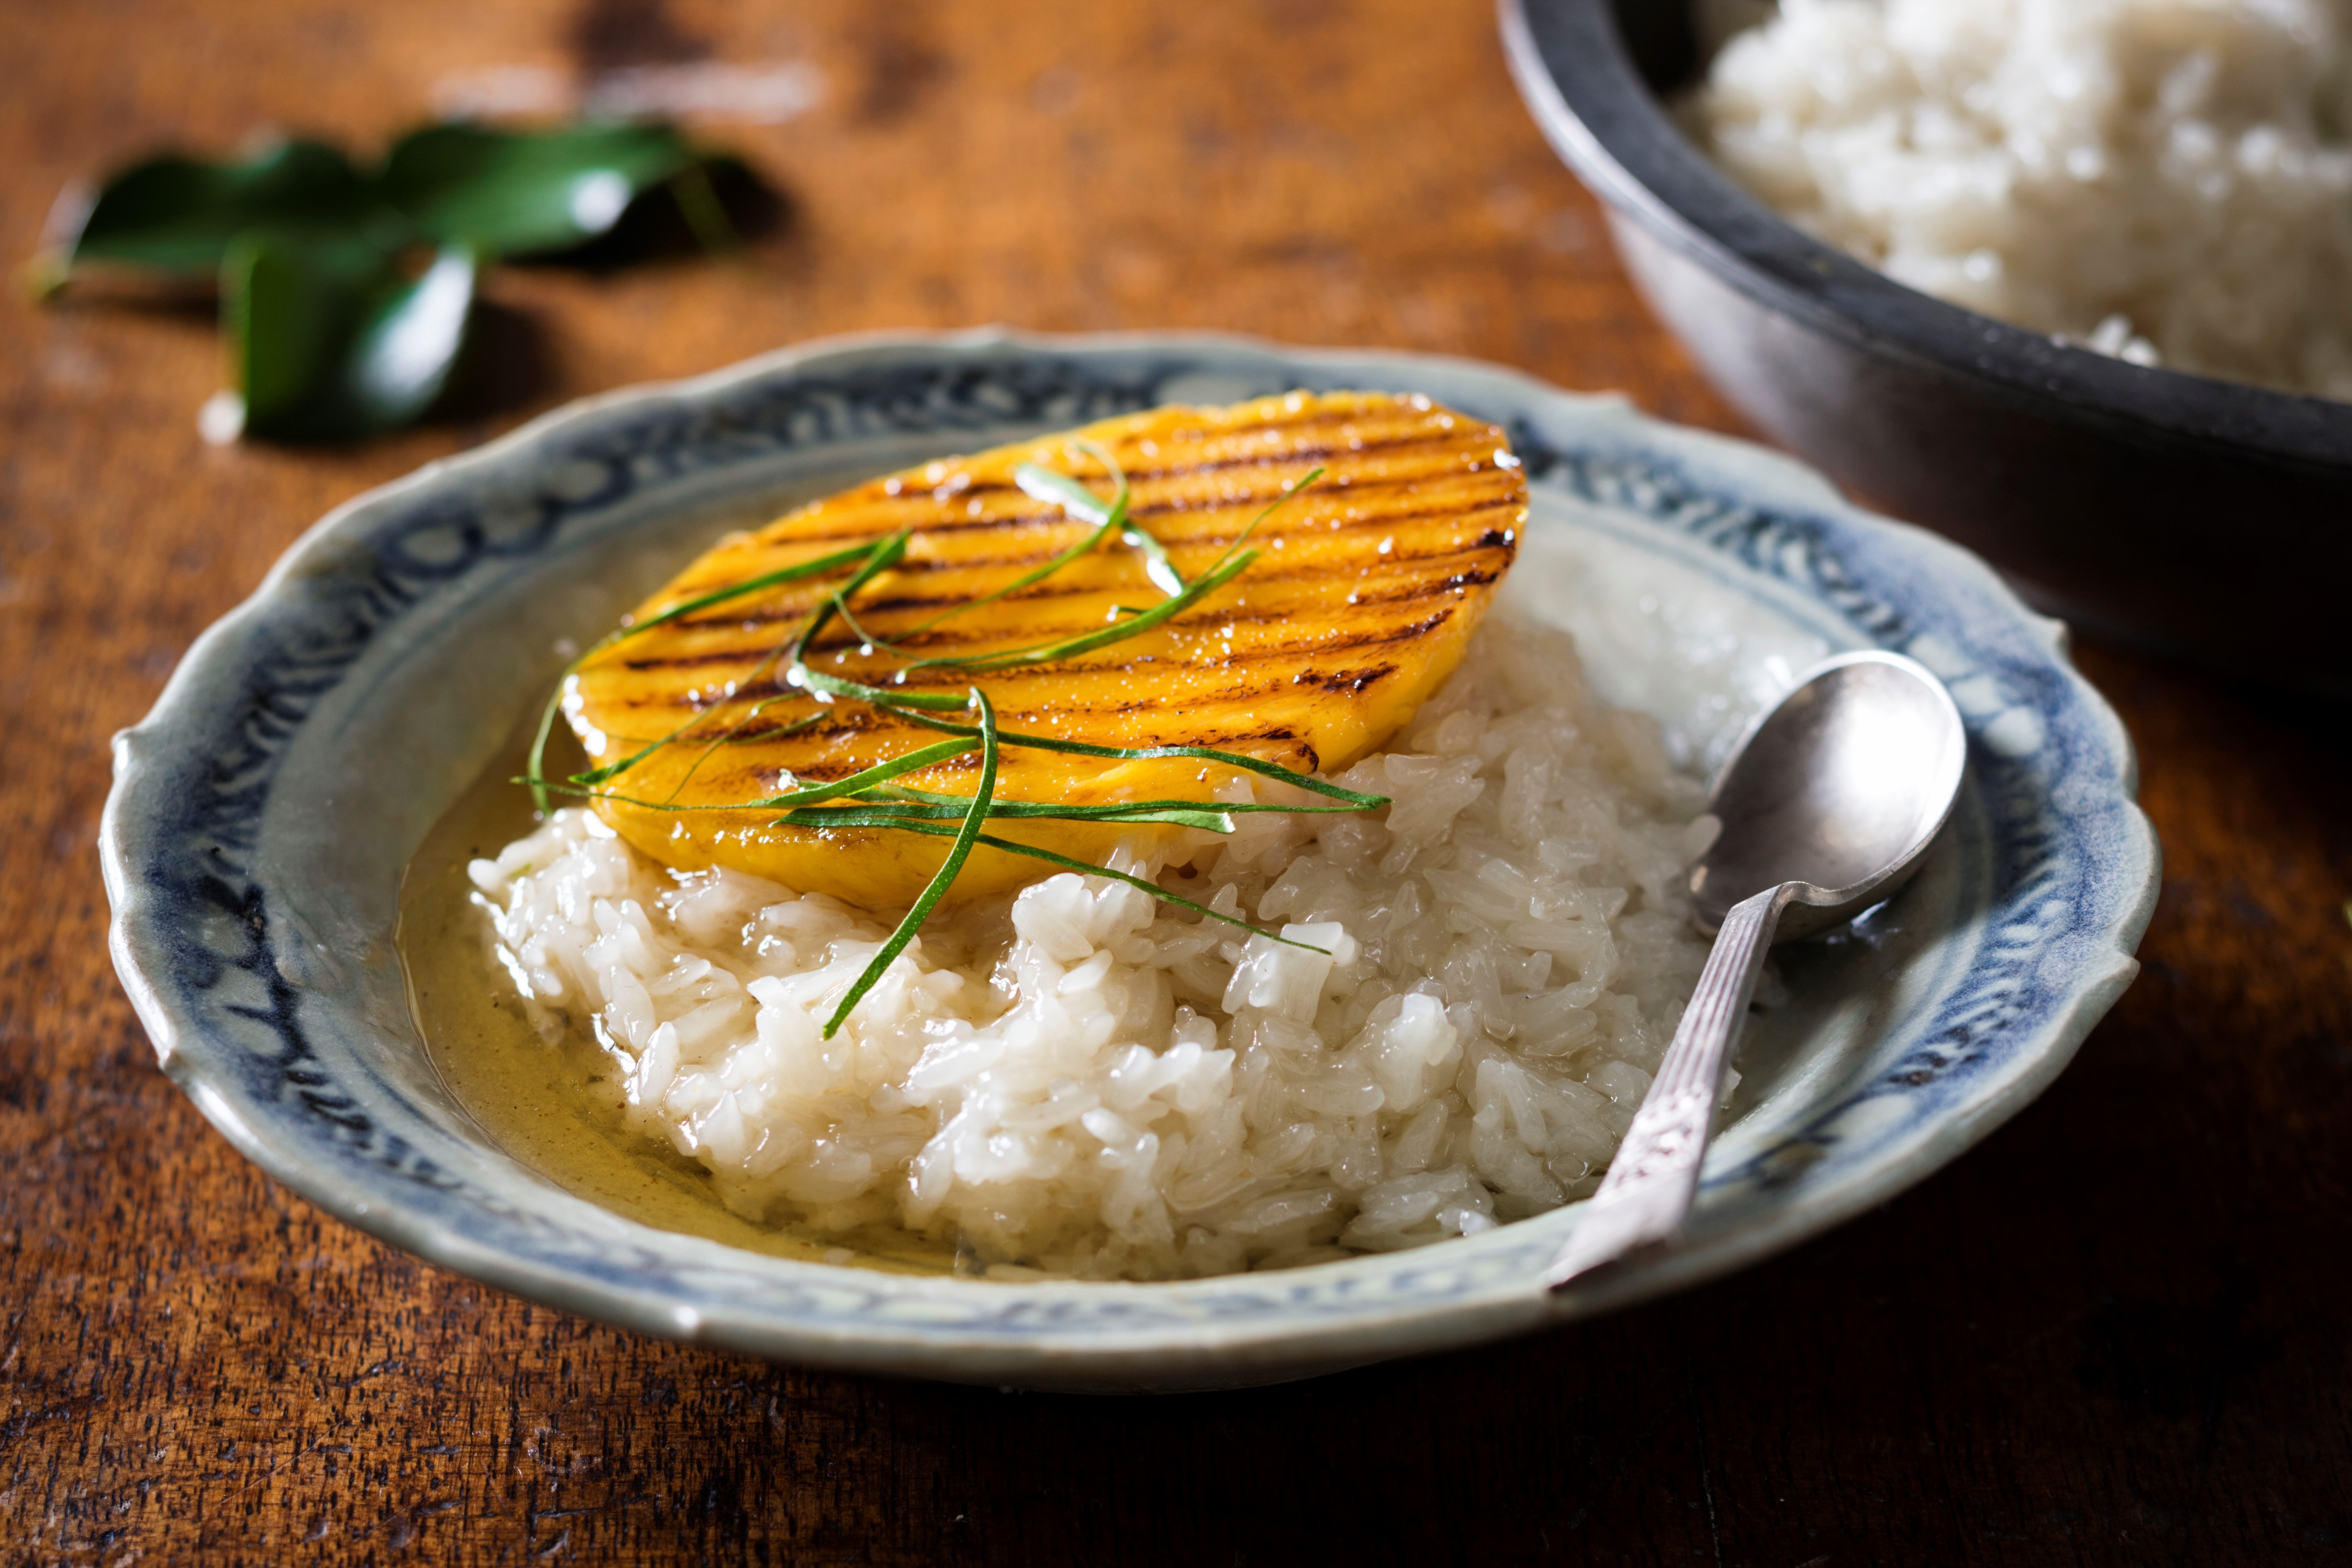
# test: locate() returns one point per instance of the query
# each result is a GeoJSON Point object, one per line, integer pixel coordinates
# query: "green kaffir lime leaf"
{"type": "Point", "coordinates": [331, 337]}
{"type": "Point", "coordinates": [180, 216]}
{"type": "Point", "coordinates": [519, 192]}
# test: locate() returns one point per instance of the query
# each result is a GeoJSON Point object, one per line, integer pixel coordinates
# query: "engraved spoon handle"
{"type": "Point", "coordinates": [1654, 1175]}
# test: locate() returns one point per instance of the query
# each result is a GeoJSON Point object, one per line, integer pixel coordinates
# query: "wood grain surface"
{"type": "Point", "coordinates": [2115, 1334]}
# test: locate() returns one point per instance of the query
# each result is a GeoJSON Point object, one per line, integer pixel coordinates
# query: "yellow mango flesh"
{"type": "Point", "coordinates": [1367, 589]}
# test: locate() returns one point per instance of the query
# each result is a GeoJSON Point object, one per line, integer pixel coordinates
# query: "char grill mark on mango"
{"type": "Point", "coordinates": [1367, 589]}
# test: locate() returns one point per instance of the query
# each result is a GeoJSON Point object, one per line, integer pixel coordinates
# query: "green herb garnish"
{"type": "Point", "coordinates": [965, 837]}
{"type": "Point", "coordinates": [1043, 484]}
{"type": "Point", "coordinates": [803, 570]}
{"type": "Point", "coordinates": [1198, 589]}
{"type": "Point", "coordinates": [1154, 889]}
{"type": "Point", "coordinates": [872, 799]}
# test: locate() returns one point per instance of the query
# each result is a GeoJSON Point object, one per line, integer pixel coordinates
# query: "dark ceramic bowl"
{"type": "Point", "coordinates": [2168, 508]}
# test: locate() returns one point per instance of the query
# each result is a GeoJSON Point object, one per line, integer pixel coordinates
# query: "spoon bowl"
{"type": "Point", "coordinates": [1837, 791]}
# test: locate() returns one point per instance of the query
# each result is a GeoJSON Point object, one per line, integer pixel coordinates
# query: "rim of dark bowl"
{"type": "Point", "coordinates": [1578, 76]}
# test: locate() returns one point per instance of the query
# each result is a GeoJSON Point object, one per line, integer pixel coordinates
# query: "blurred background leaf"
{"type": "Point", "coordinates": [178, 215]}
{"type": "Point", "coordinates": [333, 338]}
{"type": "Point", "coordinates": [346, 293]}
{"type": "Point", "coordinates": [517, 194]}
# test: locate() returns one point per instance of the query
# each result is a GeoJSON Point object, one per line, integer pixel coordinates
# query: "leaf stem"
{"type": "Point", "coordinates": [1152, 753]}
{"type": "Point", "coordinates": [1276, 504]}
{"type": "Point", "coordinates": [1166, 610]}
{"type": "Point", "coordinates": [816, 567]}
{"type": "Point", "coordinates": [1043, 484]}
{"type": "Point", "coordinates": [536, 770]}
{"type": "Point", "coordinates": [705, 213]}
{"type": "Point", "coordinates": [1154, 889]}
{"type": "Point", "coordinates": [868, 799]}
{"type": "Point", "coordinates": [950, 868]}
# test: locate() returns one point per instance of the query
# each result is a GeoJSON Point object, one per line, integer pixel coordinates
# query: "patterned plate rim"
{"type": "Point", "coordinates": [1740, 499]}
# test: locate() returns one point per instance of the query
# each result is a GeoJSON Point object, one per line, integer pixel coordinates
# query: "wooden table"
{"type": "Point", "coordinates": [2116, 1332]}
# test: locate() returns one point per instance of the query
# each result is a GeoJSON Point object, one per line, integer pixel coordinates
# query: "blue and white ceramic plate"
{"type": "Point", "coordinates": [255, 840]}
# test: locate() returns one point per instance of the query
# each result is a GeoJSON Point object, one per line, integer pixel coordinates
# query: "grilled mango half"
{"type": "Point", "coordinates": [1365, 591]}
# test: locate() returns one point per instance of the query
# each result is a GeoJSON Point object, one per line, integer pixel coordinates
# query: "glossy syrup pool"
{"type": "Point", "coordinates": [554, 1108]}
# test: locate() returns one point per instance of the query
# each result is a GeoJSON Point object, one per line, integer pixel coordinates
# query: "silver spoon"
{"type": "Point", "coordinates": [1828, 804]}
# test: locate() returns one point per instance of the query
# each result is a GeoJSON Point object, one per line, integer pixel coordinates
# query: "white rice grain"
{"type": "Point", "coordinates": [1084, 1081]}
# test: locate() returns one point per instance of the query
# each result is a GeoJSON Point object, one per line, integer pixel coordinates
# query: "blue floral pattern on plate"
{"type": "Point", "coordinates": [253, 848]}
